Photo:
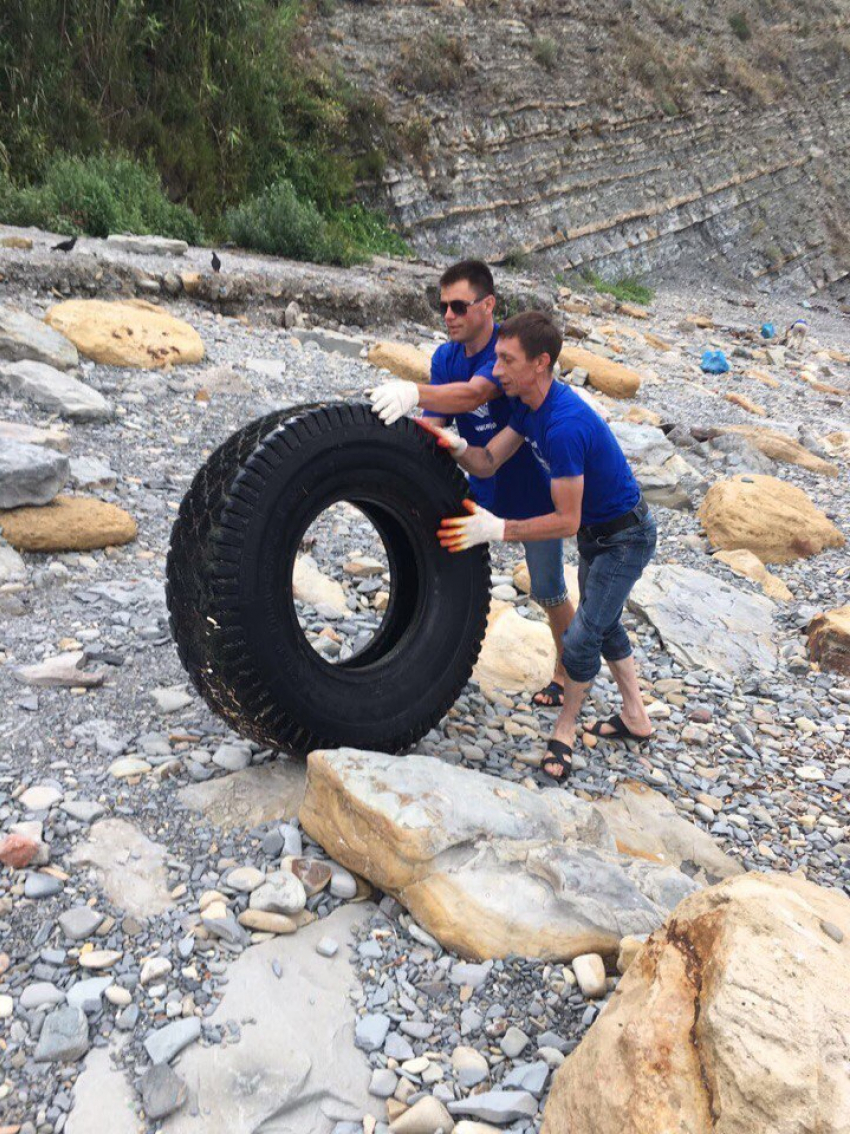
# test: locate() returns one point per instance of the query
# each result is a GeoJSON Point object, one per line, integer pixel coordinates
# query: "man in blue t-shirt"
{"type": "Point", "coordinates": [595, 498]}
{"type": "Point", "coordinates": [464, 388]}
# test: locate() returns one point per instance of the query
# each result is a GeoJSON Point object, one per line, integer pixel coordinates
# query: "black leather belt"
{"type": "Point", "coordinates": [611, 527]}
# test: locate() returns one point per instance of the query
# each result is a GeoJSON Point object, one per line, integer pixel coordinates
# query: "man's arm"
{"type": "Point", "coordinates": [481, 461]}
{"type": "Point", "coordinates": [459, 533]}
{"type": "Point", "coordinates": [457, 397]}
{"type": "Point", "coordinates": [565, 521]}
{"type": "Point", "coordinates": [392, 400]}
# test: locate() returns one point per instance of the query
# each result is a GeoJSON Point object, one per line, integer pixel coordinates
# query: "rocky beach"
{"type": "Point", "coordinates": [197, 934]}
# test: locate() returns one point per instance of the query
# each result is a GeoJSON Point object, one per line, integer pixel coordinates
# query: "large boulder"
{"type": "Point", "coordinates": [517, 654]}
{"type": "Point", "coordinates": [732, 1019]}
{"type": "Point", "coordinates": [487, 867]}
{"type": "Point", "coordinates": [68, 523]}
{"type": "Point", "coordinates": [127, 333]}
{"type": "Point", "coordinates": [401, 359]}
{"type": "Point", "coordinates": [52, 390]}
{"type": "Point", "coordinates": [829, 640]}
{"type": "Point", "coordinates": [610, 377]}
{"type": "Point", "coordinates": [705, 623]}
{"type": "Point", "coordinates": [30, 474]}
{"type": "Point", "coordinates": [774, 520]}
{"type": "Point", "coordinates": [23, 337]}
{"type": "Point", "coordinates": [780, 447]}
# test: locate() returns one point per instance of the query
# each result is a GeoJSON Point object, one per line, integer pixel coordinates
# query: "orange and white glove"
{"type": "Point", "coordinates": [458, 533]}
{"type": "Point", "coordinates": [392, 400]}
{"type": "Point", "coordinates": [447, 439]}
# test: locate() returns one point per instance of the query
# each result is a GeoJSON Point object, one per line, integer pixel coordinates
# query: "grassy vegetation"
{"type": "Point", "coordinates": [626, 289]}
{"type": "Point", "coordinates": [98, 195]}
{"type": "Point", "coordinates": [200, 106]}
{"type": "Point", "coordinates": [544, 50]}
{"type": "Point", "coordinates": [432, 64]}
{"type": "Point", "coordinates": [740, 26]}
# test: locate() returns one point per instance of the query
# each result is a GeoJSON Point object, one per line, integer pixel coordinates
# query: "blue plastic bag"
{"type": "Point", "coordinates": [767, 330]}
{"type": "Point", "coordinates": [714, 362]}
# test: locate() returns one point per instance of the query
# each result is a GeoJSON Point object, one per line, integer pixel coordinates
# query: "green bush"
{"type": "Point", "coordinates": [98, 195]}
{"type": "Point", "coordinates": [740, 26]}
{"type": "Point", "coordinates": [626, 289]}
{"type": "Point", "coordinates": [279, 222]}
{"type": "Point", "coordinates": [545, 51]}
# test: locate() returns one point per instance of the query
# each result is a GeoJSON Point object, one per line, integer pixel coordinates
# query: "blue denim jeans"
{"type": "Point", "coordinates": [545, 561]}
{"type": "Point", "coordinates": [608, 568]}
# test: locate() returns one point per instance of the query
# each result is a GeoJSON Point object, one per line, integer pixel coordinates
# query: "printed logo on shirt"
{"type": "Point", "coordinates": [540, 458]}
{"type": "Point", "coordinates": [481, 411]}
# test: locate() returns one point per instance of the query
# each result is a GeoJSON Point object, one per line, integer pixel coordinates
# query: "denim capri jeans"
{"type": "Point", "coordinates": [545, 561]}
{"type": "Point", "coordinates": [608, 569]}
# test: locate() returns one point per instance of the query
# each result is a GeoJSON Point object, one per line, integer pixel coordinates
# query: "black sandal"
{"type": "Point", "coordinates": [555, 691]}
{"type": "Point", "coordinates": [621, 730]}
{"type": "Point", "coordinates": [560, 754]}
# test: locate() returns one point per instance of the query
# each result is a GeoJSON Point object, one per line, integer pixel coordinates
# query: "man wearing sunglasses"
{"type": "Point", "coordinates": [464, 388]}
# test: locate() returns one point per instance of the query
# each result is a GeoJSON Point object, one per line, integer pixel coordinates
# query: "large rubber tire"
{"type": "Point", "coordinates": [229, 582]}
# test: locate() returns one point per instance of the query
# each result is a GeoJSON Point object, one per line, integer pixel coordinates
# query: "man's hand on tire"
{"type": "Point", "coordinates": [446, 438]}
{"type": "Point", "coordinates": [458, 533]}
{"type": "Point", "coordinates": [392, 400]}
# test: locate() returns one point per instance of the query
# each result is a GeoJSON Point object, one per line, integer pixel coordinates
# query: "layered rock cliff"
{"type": "Point", "coordinates": [617, 136]}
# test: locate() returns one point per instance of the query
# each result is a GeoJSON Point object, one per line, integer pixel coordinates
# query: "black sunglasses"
{"type": "Point", "coordinates": [459, 306]}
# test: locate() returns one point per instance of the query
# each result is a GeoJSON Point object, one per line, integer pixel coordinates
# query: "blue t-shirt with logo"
{"type": "Point", "coordinates": [520, 489]}
{"type": "Point", "coordinates": [569, 438]}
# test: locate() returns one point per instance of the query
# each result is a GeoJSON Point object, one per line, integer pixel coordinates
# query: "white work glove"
{"type": "Point", "coordinates": [393, 400]}
{"type": "Point", "coordinates": [452, 442]}
{"type": "Point", "coordinates": [458, 533]}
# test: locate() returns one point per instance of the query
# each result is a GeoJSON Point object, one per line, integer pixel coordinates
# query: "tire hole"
{"type": "Point", "coordinates": [341, 583]}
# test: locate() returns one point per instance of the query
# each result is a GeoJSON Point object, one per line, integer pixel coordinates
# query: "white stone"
{"type": "Point", "coordinates": [589, 969]}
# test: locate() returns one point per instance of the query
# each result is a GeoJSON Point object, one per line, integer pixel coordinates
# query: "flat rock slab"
{"type": "Point", "coordinates": [51, 389]}
{"type": "Point", "coordinates": [104, 1100]}
{"type": "Point", "coordinates": [646, 824]}
{"type": "Point", "coordinates": [147, 245]}
{"type": "Point", "coordinates": [705, 623]}
{"type": "Point", "coordinates": [22, 337]}
{"type": "Point", "coordinates": [487, 867]}
{"type": "Point", "coordinates": [130, 867]}
{"type": "Point", "coordinates": [296, 1069]}
{"type": "Point", "coordinates": [250, 797]}
{"type": "Point", "coordinates": [54, 437]}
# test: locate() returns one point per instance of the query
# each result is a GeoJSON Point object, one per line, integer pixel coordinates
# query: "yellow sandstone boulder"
{"type": "Point", "coordinates": [612, 378]}
{"type": "Point", "coordinates": [68, 523]}
{"type": "Point", "coordinates": [779, 447]}
{"type": "Point", "coordinates": [706, 1034]}
{"type": "Point", "coordinates": [401, 359]}
{"type": "Point", "coordinates": [762, 514]}
{"type": "Point", "coordinates": [126, 333]}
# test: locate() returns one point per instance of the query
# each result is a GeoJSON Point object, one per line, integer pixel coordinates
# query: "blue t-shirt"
{"type": "Point", "coordinates": [520, 489]}
{"type": "Point", "coordinates": [569, 438]}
